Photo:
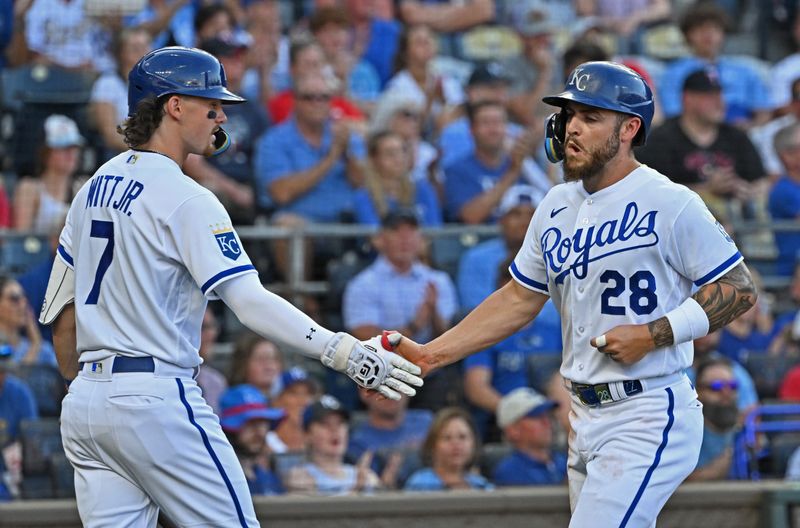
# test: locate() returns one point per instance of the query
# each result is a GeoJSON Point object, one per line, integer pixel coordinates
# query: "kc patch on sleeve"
{"type": "Point", "coordinates": [226, 240]}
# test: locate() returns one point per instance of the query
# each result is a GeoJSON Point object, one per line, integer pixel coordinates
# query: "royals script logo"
{"type": "Point", "coordinates": [632, 231]}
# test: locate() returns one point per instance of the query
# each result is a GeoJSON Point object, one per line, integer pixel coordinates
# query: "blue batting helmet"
{"type": "Point", "coordinates": [605, 85]}
{"type": "Point", "coordinates": [178, 70]}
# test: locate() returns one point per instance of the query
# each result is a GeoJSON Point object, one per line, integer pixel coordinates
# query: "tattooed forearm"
{"type": "Point", "coordinates": [728, 297]}
{"type": "Point", "coordinates": [661, 332]}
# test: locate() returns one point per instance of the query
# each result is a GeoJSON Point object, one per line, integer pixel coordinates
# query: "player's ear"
{"type": "Point", "coordinates": [629, 128]}
{"type": "Point", "coordinates": [174, 106]}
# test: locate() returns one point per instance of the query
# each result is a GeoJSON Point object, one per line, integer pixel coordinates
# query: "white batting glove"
{"type": "Point", "coordinates": [372, 366]}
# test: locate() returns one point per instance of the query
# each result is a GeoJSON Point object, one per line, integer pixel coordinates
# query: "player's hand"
{"type": "Point", "coordinates": [625, 344]}
{"type": "Point", "coordinates": [409, 349]}
{"type": "Point", "coordinates": [372, 366]}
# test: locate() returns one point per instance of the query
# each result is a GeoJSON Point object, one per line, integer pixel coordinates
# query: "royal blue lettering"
{"type": "Point", "coordinates": [103, 192]}
{"type": "Point", "coordinates": [92, 192]}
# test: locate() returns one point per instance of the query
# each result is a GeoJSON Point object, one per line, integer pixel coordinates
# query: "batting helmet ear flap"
{"type": "Point", "coordinates": [555, 131]}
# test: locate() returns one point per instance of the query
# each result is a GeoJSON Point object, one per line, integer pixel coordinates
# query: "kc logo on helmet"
{"type": "Point", "coordinates": [579, 80]}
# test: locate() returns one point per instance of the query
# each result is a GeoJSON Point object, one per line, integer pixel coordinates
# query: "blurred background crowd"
{"type": "Point", "coordinates": [410, 132]}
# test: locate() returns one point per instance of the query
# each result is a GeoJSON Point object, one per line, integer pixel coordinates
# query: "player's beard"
{"type": "Point", "coordinates": [597, 160]}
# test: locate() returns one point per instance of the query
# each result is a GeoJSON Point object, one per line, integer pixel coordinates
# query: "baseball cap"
{"type": "Point", "coordinates": [323, 407]}
{"type": "Point", "coordinates": [242, 403]}
{"type": "Point", "coordinates": [398, 217]}
{"type": "Point", "coordinates": [517, 195]}
{"type": "Point", "coordinates": [222, 47]}
{"type": "Point", "coordinates": [296, 375]}
{"type": "Point", "coordinates": [489, 73]}
{"type": "Point", "coordinates": [532, 18]}
{"type": "Point", "coordinates": [61, 132]}
{"type": "Point", "coordinates": [703, 80]}
{"type": "Point", "coordinates": [521, 403]}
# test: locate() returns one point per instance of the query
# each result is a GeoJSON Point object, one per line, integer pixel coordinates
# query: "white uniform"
{"type": "Point", "coordinates": [626, 254]}
{"type": "Point", "coordinates": [148, 246]}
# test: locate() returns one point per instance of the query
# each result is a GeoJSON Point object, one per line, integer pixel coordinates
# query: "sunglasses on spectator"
{"type": "Point", "coordinates": [312, 97]}
{"type": "Point", "coordinates": [720, 385]}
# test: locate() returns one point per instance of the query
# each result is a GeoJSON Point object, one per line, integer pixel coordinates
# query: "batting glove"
{"type": "Point", "coordinates": [371, 366]}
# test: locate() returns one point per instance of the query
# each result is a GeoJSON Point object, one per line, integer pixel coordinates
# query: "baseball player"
{"type": "Point", "coordinates": [638, 268]}
{"type": "Point", "coordinates": [143, 249]}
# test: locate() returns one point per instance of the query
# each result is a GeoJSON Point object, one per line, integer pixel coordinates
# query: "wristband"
{"type": "Point", "coordinates": [688, 321]}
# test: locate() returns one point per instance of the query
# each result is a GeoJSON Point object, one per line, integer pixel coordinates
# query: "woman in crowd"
{"type": "Point", "coordinates": [258, 362]}
{"type": "Point", "coordinates": [449, 453]}
{"type": "Point", "coordinates": [388, 184]}
{"type": "Point", "coordinates": [18, 326]}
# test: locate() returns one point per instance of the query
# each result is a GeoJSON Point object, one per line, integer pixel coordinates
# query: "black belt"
{"type": "Point", "coordinates": [594, 395]}
{"type": "Point", "coordinates": [130, 364]}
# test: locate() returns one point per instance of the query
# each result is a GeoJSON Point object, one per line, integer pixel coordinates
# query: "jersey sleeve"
{"type": "Point", "coordinates": [528, 267]}
{"type": "Point", "coordinates": [700, 249]}
{"type": "Point", "coordinates": [207, 244]}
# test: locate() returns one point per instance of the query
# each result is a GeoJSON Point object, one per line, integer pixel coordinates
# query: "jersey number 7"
{"type": "Point", "coordinates": [101, 229]}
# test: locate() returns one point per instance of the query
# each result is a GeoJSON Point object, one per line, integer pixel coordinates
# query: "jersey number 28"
{"type": "Point", "coordinates": [101, 229]}
{"type": "Point", "coordinates": [642, 285]}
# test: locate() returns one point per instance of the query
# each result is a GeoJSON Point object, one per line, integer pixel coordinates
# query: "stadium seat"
{"type": "Point", "coordinates": [773, 421]}
{"type": "Point", "coordinates": [490, 455]}
{"type": "Point", "coordinates": [41, 440]}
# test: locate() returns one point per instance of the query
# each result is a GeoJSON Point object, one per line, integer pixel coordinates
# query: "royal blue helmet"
{"type": "Point", "coordinates": [605, 85]}
{"type": "Point", "coordinates": [178, 70]}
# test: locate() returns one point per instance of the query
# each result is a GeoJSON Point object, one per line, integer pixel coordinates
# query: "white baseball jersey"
{"type": "Point", "coordinates": [626, 254]}
{"type": "Point", "coordinates": [148, 246]}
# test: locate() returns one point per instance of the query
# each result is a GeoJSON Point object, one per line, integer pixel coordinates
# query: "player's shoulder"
{"type": "Point", "coordinates": [562, 193]}
{"type": "Point", "coordinates": [660, 187]}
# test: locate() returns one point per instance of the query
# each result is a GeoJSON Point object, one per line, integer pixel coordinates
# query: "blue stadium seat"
{"type": "Point", "coordinates": [19, 254]}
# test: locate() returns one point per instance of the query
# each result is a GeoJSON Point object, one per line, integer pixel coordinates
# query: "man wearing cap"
{"type": "Point", "coordinates": [699, 150]}
{"type": "Point", "coordinates": [326, 473]}
{"type": "Point", "coordinates": [475, 183]}
{"type": "Point", "coordinates": [245, 417]}
{"type": "Point", "coordinates": [400, 291]}
{"type": "Point", "coordinates": [298, 390]}
{"type": "Point", "coordinates": [747, 97]}
{"type": "Point", "coordinates": [17, 403]}
{"type": "Point", "coordinates": [524, 417]}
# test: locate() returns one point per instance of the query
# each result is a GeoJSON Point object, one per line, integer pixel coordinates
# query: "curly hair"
{"type": "Point", "coordinates": [139, 128]}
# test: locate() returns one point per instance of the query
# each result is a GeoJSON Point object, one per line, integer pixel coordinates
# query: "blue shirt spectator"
{"type": "Point", "coordinates": [284, 151]}
{"type": "Point", "coordinates": [747, 396]}
{"type": "Point", "coordinates": [426, 479]}
{"type": "Point", "coordinates": [382, 47]}
{"type": "Point", "coordinates": [519, 469]}
{"type": "Point", "coordinates": [784, 204]}
{"type": "Point", "coordinates": [478, 271]}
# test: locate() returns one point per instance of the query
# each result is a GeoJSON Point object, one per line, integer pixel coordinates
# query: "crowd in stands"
{"type": "Point", "coordinates": [404, 115]}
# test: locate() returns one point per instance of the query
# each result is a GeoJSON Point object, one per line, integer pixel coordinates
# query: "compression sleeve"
{"type": "Point", "coordinates": [272, 316]}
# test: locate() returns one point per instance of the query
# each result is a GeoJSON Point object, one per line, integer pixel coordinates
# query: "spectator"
{"type": "Point", "coordinates": [306, 59]}
{"type": "Point", "coordinates": [5, 207]}
{"type": "Point", "coordinates": [746, 96]}
{"type": "Point", "coordinates": [449, 453]}
{"type": "Point", "coordinates": [717, 391]}
{"type": "Point", "coordinates": [495, 372]}
{"type": "Point", "coordinates": [414, 76]}
{"type": "Point", "coordinates": [18, 327]}
{"type": "Point", "coordinates": [16, 404]}
{"type": "Point", "coordinates": [479, 269]}
{"type": "Point", "coordinates": [211, 381]}
{"type": "Point", "coordinates": [359, 79]}
{"type": "Point", "coordinates": [580, 51]}
{"type": "Point", "coordinates": [701, 151]}
{"type": "Point", "coordinates": [309, 166]}
{"type": "Point", "coordinates": [326, 473]}
{"type": "Point", "coordinates": [487, 82]}
{"type": "Point", "coordinates": [230, 175]}
{"type": "Point", "coordinates": [393, 433]}
{"type": "Point", "coordinates": [268, 57]}
{"type": "Point", "coordinates": [535, 71]}
{"type": "Point", "coordinates": [475, 184]}
{"type": "Point", "coordinates": [298, 391]}
{"type": "Point", "coordinates": [403, 114]}
{"type": "Point", "coordinates": [215, 20]}
{"type": "Point", "coordinates": [524, 415]}
{"type": "Point", "coordinates": [449, 18]}
{"type": "Point", "coordinates": [388, 184]}
{"type": "Point", "coordinates": [374, 39]}
{"type": "Point", "coordinates": [706, 349]}
{"type": "Point", "coordinates": [256, 361]}
{"type": "Point", "coordinates": [41, 202]}
{"type": "Point", "coordinates": [784, 198]}
{"type": "Point", "coordinates": [108, 104]}
{"type": "Point", "coordinates": [785, 72]}
{"type": "Point", "coordinates": [61, 33]}
{"type": "Point", "coordinates": [763, 137]}
{"type": "Point", "coordinates": [626, 20]}
{"type": "Point", "coordinates": [398, 291]}
{"type": "Point", "coordinates": [245, 417]}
